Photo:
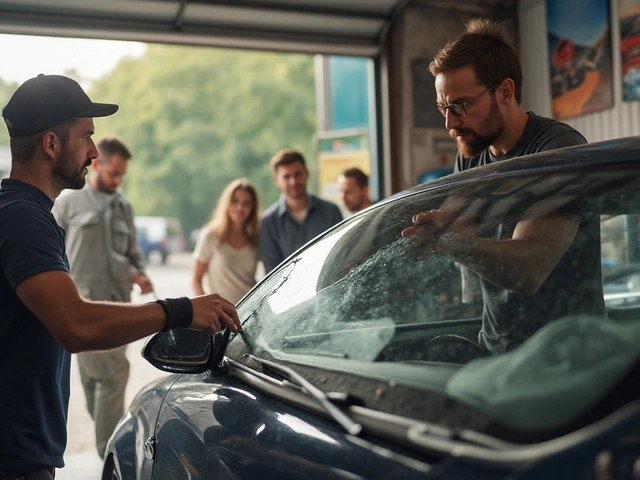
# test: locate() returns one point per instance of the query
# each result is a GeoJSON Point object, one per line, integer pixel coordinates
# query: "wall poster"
{"type": "Point", "coordinates": [337, 150]}
{"type": "Point", "coordinates": [579, 42]}
{"type": "Point", "coordinates": [629, 18]}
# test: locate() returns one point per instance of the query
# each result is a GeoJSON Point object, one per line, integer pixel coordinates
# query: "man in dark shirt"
{"type": "Point", "coordinates": [521, 266]}
{"type": "Point", "coordinates": [353, 184]}
{"type": "Point", "coordinates": [297, 216]}
{"type": "Point", "coordinates": [44, 318]}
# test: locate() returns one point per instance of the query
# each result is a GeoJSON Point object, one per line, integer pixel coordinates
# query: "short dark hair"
{"type": "Point", "coordinates": [361, 178]}
{"type": "Point", "coordinates": [109, 146]}
{"type": "Point", "coordinates": [24, 148]}
{"type": "Point", "coordinates": [484, 47]}
{"type": "Point", "coordinates": [286, 156]}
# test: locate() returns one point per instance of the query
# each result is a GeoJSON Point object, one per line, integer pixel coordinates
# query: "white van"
{"type": "Point", "coordinates": [159, 237]}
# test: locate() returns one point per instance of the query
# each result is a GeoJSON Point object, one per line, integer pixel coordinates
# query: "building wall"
{"type": "Point", "coordinates": [418, 139]}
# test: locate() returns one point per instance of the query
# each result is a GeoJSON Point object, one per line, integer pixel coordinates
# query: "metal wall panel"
{"type": "Point", "coordinates": [532, 40]}
{"type": "Point", "coordinates": [622, 120]}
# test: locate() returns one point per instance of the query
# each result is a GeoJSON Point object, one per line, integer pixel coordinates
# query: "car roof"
{"type": "Point", "coordinates": [620, 151]}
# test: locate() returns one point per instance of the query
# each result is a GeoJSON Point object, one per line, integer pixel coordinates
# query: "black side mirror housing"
{"type": "Point", "coordinates": [185, 351]}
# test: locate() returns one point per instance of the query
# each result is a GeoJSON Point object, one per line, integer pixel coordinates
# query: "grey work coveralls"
{"type": "Point", "coordinates": [103, 253]}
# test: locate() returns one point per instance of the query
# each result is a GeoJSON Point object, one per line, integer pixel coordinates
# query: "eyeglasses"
{"type": "Point", "coordinates": [458, 109]}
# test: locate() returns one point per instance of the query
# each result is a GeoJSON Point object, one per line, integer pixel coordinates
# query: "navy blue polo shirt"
{"type": "Point", "coordinates": [34, 368]}
{"type": "Point", "coordinates": [281, 235]}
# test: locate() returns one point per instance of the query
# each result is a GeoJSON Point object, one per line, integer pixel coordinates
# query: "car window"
{"type": "Point", "coordinates": [142, 233]}
{"type": "Point", "coordinates": [365, 300]}
{"type": "Point", "coordinates": [621, 268]}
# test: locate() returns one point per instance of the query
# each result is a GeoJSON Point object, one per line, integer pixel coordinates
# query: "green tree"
{"type": "Point", "coordinates": [6, 90]}
{"type": "Point", "coordinates": [197, 118]}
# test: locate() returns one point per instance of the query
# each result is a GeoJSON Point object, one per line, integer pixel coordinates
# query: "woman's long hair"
{"type": "Point", "coordinates": [220, 222]}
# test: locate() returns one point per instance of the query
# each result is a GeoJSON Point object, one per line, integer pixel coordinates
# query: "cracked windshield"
{"type": "Point", "coordinates": [366, 293]}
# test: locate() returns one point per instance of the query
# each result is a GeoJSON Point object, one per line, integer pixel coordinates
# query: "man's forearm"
{"type": "Point", "coordinates": [521, 263]}
{"type": "Point", "coordinates": [503, 263]}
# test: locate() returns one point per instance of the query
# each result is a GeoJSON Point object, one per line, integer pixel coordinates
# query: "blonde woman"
{"type": "Point", "coordinates": [227, 247]}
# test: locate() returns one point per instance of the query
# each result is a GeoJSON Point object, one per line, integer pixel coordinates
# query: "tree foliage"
{"type": "Point", "coordinates": [6, 90]}
{"type": "Point", "coordinates": [197, 118]}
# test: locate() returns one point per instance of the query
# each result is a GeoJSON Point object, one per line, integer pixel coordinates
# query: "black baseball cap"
{"type": "Point", "coordinates": [47, 100]}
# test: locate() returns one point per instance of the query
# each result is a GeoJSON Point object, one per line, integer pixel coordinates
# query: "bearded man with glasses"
{"type": "Point", "coordinates": [521, 266]}
{"type": "Point", "coordinates": [479, 90]}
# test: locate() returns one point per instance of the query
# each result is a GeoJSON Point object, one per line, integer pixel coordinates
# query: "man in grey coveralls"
{"type": "Point", "coordinates": [105, 262]}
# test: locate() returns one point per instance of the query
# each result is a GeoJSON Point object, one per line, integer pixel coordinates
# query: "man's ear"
{"type": "Point", "coordinates": [507, 91]}
{"type": "Point", "coordinates": [51, 144]}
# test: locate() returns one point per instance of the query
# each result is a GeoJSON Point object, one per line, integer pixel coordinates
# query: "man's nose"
{"type": "Point", "coordinates": [451, 121]}
{"type": "Point", "coordinates": [93, 150]}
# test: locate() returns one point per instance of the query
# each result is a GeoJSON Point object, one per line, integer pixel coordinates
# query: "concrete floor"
{"type": "Point", "coordinates": [81, 466]}
{"type": "Point", "coordinates": [81, 458]}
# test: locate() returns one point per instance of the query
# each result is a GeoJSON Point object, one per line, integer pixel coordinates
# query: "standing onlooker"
{"type": "Point", "coordinates": [44, 317]}
{"type": "Point", "coordinates": [297, 216]}
{"type": "Point", "coordinates": [105, 262]}
{"type": "Point", "coordinates": [227, 246]}
{"type": "Point", "coordinates": [354, 187]}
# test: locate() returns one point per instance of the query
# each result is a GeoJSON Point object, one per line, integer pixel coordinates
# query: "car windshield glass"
{"type": "Point", "coordinates": [366, 300]}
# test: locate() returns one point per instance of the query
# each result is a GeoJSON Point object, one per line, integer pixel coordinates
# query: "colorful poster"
{"type": "Point", "coordinates": [629, 17]}
{"type": "Point", "coordinates": [580, 56]}
{"type": "Point", "coordinates": [336, 151]}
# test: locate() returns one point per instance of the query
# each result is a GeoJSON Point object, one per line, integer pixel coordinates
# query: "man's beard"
{"type": "Point", "coordinates": [354, 206]}
{"type": "Point", "coordinates": [494, 124]}
{"type": "Point", "coordinates": [101, 185]}
{"type": "Point", "coordinates": [297, 193]}
{"type": "Point", "coordinates": [64, 172]}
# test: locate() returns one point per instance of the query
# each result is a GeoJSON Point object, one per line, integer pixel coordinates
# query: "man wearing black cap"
{"type": "Point", "coordinates": [44, 318]}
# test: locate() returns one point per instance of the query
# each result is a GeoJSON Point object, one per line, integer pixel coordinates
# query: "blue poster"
{"type": "Point", "coordinates": [629, 17]}
{"type": "Point", "coordinates": [580, 56]}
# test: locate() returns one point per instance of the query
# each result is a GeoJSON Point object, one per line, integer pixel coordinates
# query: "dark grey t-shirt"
{"type": "Point", "coordinates": [574, 286]}
{"type": "Point", "coordinates": [540, 134]}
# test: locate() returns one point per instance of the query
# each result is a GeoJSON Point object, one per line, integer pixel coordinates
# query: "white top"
{"type": "Point", "coordinates": [231, 271]}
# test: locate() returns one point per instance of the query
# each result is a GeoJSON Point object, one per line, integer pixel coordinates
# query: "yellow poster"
{"type": "Point", "coordinates": [336, 152]}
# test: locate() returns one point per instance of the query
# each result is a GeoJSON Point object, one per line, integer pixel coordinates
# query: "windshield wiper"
{"type": "Point", "coordinates": [292, 377]}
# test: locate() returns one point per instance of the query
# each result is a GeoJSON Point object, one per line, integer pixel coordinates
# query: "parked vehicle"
{"type": "Point", "coordinates": [332, 376]}
{"type": "Point", "coordinates": [158, 237]}
{"type": "Point", "coordinates": [570, 63]}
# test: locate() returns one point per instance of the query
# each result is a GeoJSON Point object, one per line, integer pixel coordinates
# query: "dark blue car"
{"type": "Point", "coordinates": [350, 366]}
{"type": "Point", "coordinates": [159, 237]}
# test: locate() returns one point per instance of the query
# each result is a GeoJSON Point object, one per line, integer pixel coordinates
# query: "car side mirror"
{"type": "Point", "coordinates": [185, 351]}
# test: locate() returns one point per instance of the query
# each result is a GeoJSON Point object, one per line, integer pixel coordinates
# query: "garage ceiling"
{"type": "Point", "coordinates": [350, 27]}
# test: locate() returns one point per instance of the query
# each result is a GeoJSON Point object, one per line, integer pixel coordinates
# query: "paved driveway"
{"type": "Point", "coordinates": [81, 459]}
